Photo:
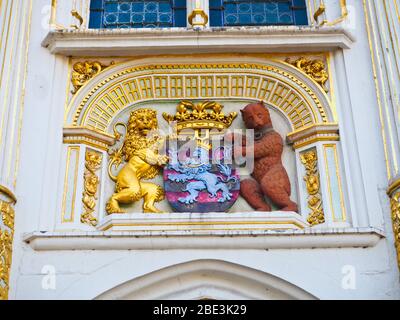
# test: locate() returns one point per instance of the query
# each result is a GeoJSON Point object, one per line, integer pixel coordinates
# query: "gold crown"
{"type": "Point", "coordinates": [206, 115]}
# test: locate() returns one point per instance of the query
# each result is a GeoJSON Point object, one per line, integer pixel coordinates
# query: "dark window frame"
{"type": "Point", "coordinates": [298, 11]}
{"type": "Point", "coordinates": [98, 13]}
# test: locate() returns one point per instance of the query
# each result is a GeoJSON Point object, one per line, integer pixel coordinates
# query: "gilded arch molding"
{"type": "Point", "coordinates": [290, 91]}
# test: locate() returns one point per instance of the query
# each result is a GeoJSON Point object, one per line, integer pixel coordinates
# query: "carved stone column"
{"type": "Point", "coordinates": [321, 193]}
{"type": "Point", "coordinates": [85, 152]}
{"type": "Point", "coordinates": [7, 202]}
{"type": "Point", "coordinates": [394, 194]}
{"type": "Point", "coordinates": [382, 27]}
{"type": "Point", "coordinates": [15, 17]}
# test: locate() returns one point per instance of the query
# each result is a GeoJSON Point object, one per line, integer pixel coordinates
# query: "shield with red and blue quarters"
{"type": "Point", "coordinates": [200, 181]}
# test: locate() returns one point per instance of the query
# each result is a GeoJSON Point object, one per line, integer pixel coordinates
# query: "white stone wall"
{"type": "Point", "coordinates": [304, 267]}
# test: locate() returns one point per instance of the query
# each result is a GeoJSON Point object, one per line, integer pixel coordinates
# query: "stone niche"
{"type": "Point", "coordinates": [300, 112]}
{"type": "Point", "coordinates": [280, 125]}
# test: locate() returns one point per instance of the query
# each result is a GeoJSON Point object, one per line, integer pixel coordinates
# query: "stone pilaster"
{"type": "Point", "coordinates": [383, 27]}
{"type": "Point", "coordinates": [15, 26]}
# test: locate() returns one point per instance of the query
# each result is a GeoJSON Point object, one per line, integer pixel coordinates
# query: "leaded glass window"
{"type": "Point", "coordinates": [117, 14]}
{"type": "Point", "coordinates": [257, 12]}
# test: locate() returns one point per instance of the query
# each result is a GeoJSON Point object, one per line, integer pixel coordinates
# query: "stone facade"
{"type": "Point", "coordinates": [331, 89]}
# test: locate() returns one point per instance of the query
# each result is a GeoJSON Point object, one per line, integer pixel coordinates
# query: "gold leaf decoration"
{"type": "Point", "coordinates": [315, 68]}
{"type": "Point", "coordinates": [310, 160]}
{"type": "Point", "coordinates": [82, 72]}
{"type": "Point", "coordinates": [91, 182]}
{"type": "Point", "coordinates": [6, 240]}
{"type": "Point", "coordinates": [395, 208]}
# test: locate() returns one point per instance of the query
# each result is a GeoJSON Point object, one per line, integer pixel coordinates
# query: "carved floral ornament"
{"type": "Point", "coordinates": [93, 162]}
{"type": "Point", "coordinates": [315, 68]}
{"type": "Point", "coordinates": [395, 207]}
{"type": "Point", "coordinates": [394, 194]}
{"type": "Point", "coordinates": [6, 239]}
{"type": "Point", "coordinates": [310, 161]}
{"type": "Point", "coordinates": [82, 72]}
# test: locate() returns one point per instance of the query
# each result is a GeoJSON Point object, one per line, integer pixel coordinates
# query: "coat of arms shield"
{"type": "Point", "coordinates": [200, 176]}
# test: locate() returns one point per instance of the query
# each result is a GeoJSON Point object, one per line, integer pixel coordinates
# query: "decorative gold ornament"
{"type": "Point", "coordinates": [314, 68]}
{"type": "Point", "coordinates": [395, 207]}
{"type": "Point", "coordinates": [194, 14]}
{"type": "Point", "coordinates": [91, 182]}
{"type": "Point", "coordinates": [274, 85]}
{"type": "Point", "coordinates": [394, 194]}
{"type": "Point", "coordinates": [6, 240]}
{"type": "Point", "coordinates": [310, 161]}
{"type": "Point", "coordinates": [84, 71]}
{"type": "Point", "coordinates": [322, 9]}
{"type": "Point", "coordinates": [196, 116]}
{"type": "Point", "coordinates": [198, 12]}
{"type": "Point", "coordinates": [140, 151]}
{"type": "Point", "coordinates": [77, 16]}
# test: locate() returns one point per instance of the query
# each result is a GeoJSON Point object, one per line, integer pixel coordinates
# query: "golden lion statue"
{"type": "Point", "coordinates": [143, 162]}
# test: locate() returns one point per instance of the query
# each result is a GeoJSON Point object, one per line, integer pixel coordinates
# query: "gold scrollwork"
{"type": "Point", "coordinates": [91, 183]}
{"type": "Point", "coordinates": [322, 9]}
{"type": "Point", "coordinates": [6, 240]}
{"type": "Point", "coordinates": [79, 17]}
{"type": "Point", "coordinates": [310, 161]}
{"type": "Point", "coordinates": [84, 71]}
{"type": "Point", "coordinates": [140, 151]}
{"type": "Point", "coordinates": [395, 208]}
{"type": "Point", "coordinates": [315, 68]}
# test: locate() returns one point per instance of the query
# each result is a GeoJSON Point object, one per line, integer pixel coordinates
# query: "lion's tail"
{"type": "Point", "coordinates": [113, 178]}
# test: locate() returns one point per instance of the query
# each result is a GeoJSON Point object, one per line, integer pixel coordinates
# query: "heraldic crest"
{"type": "Point", "coordinates": [197, 179]}
{"type": "Point", "coordinates": [143, 162]}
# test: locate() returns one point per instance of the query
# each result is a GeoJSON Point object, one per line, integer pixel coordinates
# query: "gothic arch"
{"type": "Point", "coordinates": [206, 279]}
{"type": "Point", "coordinates": [286, 89]}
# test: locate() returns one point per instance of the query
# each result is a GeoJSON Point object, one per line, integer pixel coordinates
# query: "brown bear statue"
{"type": "Point", "coordinates": [270, 177]}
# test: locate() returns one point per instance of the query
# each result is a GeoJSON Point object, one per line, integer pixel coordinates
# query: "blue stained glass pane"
{"type": "Point", "coordinates": [150, 17]}
{"type": "Point", "coordinates": [151, 7]}
{"type": "Point", "coordinates": [230, 8]}
{"type": "Point", "coordinates": [113, 14]}
{"type": "Point", "coordinates": [257, 12]}
{"type": "Point", "coordinates": [180, 18]}
{"type": "Point", "coordinates": [137, 18]}
{"type": "Point", "coordinates": [244, 7]}
{"type": "Point", "coordinates": [180, 3]}
{"type": "Point", "coordinates": [164, 7]}
{"type": "Point", "coordinates": [138, 7]}
{"type": "Point", "coordinates": [215, 18]}
{"type": "Point", "coordinates": [258, 7]}
{"type": "Point", "coordinates": [96, 4]}
{"type": "Point", "coordinates": [245, 19]}
{"type": "Point", "coordinates": [125, 7]}
{"type": "Point", "coordinates": [215, 3]}
{"type": "Point", "coordinates": [112, 7]}
{"type": "Point", "coordinates": [231, 19]}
